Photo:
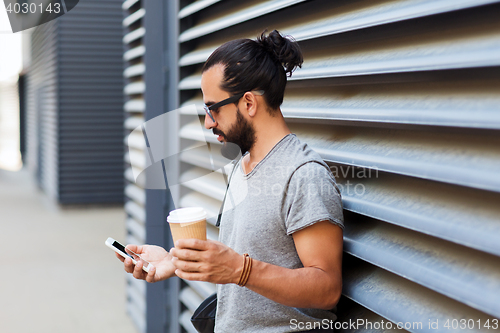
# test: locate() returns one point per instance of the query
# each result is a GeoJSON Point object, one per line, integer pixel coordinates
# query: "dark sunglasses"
{"type": "Point", "coordinates": [232, 99]}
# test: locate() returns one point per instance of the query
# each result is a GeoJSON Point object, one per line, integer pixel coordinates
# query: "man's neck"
{"type": "Point", "coordinates": [264, 143]}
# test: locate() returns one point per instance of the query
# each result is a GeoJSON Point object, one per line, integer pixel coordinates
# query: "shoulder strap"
{"type": "Point", "coordinates": [225, 194]}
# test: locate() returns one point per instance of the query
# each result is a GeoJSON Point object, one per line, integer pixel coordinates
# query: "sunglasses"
{"type": "Point", "coordinates": [232, 99]}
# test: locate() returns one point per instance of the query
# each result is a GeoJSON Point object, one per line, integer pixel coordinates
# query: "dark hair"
{"type": "Point", "coordinates": [260, 64]}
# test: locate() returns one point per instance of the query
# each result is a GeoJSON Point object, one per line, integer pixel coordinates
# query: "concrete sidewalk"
{"type": "Point", "coordinates": [56, 273]}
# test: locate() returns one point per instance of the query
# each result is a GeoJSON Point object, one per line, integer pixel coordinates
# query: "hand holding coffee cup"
{"type": "Point", "coordinates": [188, 223]}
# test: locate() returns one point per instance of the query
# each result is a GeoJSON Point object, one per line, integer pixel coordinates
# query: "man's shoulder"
{"type": "Point", "coordinates": [297, 153]}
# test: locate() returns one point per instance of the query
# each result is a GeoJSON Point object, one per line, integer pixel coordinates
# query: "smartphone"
{"type": "Point", "coordinates": [126, 253]}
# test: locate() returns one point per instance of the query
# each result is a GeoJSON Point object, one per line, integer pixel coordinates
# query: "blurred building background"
{"type": "Point", "coordinates": [400, 98]}
{"type": "Point", "coordinates": [73, 105]}
{"type": "Point", "coordinates": [61, 109]}
{"type": "Point", "coordinates": [10, 66]}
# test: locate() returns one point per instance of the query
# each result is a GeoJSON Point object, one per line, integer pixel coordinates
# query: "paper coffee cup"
{"type": "Point", "coordinates": [188, 223]}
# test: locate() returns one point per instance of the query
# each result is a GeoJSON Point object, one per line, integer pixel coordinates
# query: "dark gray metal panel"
{"type": "Point", "coordinates": [90, 103]}
{"type": "Point", "coordinates": [171, 102]}
{"type": "Point", "coordinates": [156, 228]}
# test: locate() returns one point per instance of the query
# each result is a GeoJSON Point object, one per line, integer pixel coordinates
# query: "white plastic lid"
{"type": "Point", "coordinates": [183, 215]}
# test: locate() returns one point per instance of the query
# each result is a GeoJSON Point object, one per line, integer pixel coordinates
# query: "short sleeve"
{"type": "Point", "coordinates": [312, 196]}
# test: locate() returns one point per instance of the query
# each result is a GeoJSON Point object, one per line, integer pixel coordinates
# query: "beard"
{"type": "Point", "coordinates": [241, 134]}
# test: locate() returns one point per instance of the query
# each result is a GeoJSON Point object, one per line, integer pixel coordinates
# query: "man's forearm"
{"type": "Point", "coordinates": [307, 287]}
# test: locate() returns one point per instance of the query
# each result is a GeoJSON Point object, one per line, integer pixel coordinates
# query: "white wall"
{"type": "Point", "coordinates": [10, 66]}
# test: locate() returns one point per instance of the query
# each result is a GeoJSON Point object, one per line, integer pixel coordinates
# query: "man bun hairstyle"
{"type": "Point", "coordinates": [261, 64]}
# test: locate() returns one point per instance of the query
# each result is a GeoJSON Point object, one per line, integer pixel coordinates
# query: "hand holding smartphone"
{"type": "Point", "coordinates": [127, 253]}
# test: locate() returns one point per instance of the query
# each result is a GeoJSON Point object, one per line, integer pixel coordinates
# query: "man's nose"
{"type": "Point", "coordinates": [209, 123]}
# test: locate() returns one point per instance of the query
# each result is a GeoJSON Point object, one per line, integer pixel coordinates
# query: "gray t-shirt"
{"type": "Point", "coordinates": [290, 189]}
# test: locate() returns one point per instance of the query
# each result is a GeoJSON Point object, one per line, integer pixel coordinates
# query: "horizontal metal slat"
{"type": "Point", "coordinates": [236, 18]}
{"type": "Point", "coordinates": [134, 35]}
{"type": "Point", "coordinates": [135, 105]}
{"type": "Point", "coordinates": [191, 82]}
{"type": "Point", "coordinates": [195, 7]}
{"type": "Point", "coordinates": [129, 175]}
{"type": "Point", "coordinates": [204, 289]}
{"type": "Point", "coordinates": [134, 17]}
{"type": "Point", "coordinates": [185, 321]}
{"type": "Point", "coordinates": [191, 131]}
{"type": "Point", "coordinates": [136, 211]}
{"type": "Point", "coordinates": [196, 199]}
{"type": "Point", "coordinates": [203, 158]}
{"type": "Point", "coordinates": [135, 140]}
{"type": "Point", "coordinates": [135, 70]}
{"type": "Point", "coordinates": [135, 88]}
{"type": "Point", "coordinates": [136, 229]}
{"type": "Point", "coordinates": [138, 298]}
{"type": "Point", "coordinates": [133, 122]}
{"type": "Point", "coordinates": [352, 317]}
{"type": "Point", "coordinates": [136, 52]}
{"type": "Point", "coordinates": [136, 193]}
{"type": "Point", "coordinates": [212, 184]}
{"type": "Point", "coordinates": [397, 116]}
{"type": "Point", "coordinates": [190, 298]}
{"type": "Point", "coordinates": [127, 4]}
{"type": "Point", "coordinates": [136, 158]}
{"type": "Point", "coordinates": [132, 240]}
{"type": "Point", "coordinates": [139, 285]}
{"type": "Point", "coordinates": [104, 48]}
{"type": "Point", "coordinates": [465, 275]}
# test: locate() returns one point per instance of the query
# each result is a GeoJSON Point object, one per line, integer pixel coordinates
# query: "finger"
{"type": "Point", "coordinates": [192, 243]}
{"type": "Point", "coordinates": [190, 276]}
{"type": "Point", "coordinates": [186, 254]}
{"type": "Point", "coordinates": [138, 272]}
{"type": "Point", "coordinates": [128, 265]}
{"type": "Point", "coordinates": [120, 257]}
{"type": "Point", "coordinates": [187, 266]}
{"type": "Point", "coordinates": [151, 275]}
{"type": "Point", "coordinates": [135, 248]}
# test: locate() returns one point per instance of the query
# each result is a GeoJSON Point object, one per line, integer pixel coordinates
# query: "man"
{"type": "Point", "coordinates": [290, 222]}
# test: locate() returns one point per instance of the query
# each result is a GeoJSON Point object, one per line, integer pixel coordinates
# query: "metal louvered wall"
{"type": "Point", "coordinates": [135, 106]}
{"type": "Point", "coordinates": [74, 105]}
{"type": "Point", "coordinates": [401, 98]}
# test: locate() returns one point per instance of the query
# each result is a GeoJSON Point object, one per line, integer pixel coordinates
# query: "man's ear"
{"type": "Point", "coordinates": [250, 104]}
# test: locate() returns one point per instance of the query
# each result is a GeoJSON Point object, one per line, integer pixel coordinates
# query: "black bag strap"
{"type": "Point", "coordinates": [235, 164]}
